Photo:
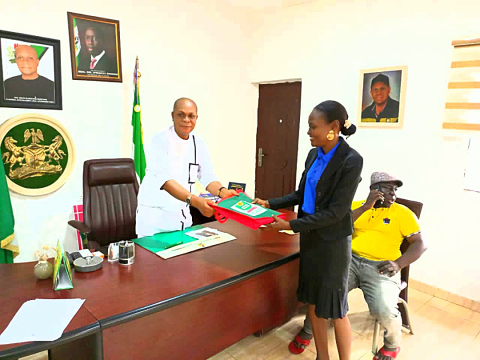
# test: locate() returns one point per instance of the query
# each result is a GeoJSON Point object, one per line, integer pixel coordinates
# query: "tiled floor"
{"type": "Point", "coordinates": [442, 329]}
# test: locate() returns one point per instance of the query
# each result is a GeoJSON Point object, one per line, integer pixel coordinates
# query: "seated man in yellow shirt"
{"type": "Point", "coordinates": [380, 225]}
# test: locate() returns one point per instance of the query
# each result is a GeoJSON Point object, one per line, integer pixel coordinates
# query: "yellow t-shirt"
{"type": "Point", "coordinates": [379, 232]}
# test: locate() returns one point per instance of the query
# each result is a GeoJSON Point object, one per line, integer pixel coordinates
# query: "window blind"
{"type": "Point", "coordinates": [462, 108]}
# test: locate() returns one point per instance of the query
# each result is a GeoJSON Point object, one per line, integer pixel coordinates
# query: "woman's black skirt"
{"type": "Point", "coordinates": [323, 280]}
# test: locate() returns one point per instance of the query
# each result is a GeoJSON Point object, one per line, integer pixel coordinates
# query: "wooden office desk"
{"type": "Point", "coordinates": [194, 305]}
{"type": "Point", "coordinates": [18, 284]}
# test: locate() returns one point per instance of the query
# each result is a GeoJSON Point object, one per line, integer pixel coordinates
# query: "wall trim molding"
{"type": "Point", "coordinates": [445, 295]}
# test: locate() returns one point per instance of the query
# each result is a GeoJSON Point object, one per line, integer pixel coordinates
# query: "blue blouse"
{"type": "Point", "coordinates": [313, 175]}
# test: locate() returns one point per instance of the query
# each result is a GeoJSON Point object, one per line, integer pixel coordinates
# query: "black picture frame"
{"type": "Point", "coordinates": [11, 92]}
{"type": "Point", "coordinates": [109, 66]}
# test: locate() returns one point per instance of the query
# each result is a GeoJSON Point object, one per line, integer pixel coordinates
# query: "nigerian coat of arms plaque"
{"type": "Point", "coordinates": [37, 154]}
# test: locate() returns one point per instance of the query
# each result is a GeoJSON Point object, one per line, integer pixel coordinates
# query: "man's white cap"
{"type": "Point", "coordinates": [378, 177]}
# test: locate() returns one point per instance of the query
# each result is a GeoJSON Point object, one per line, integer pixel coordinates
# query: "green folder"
{"type": "Point", "coordinates": [242, 204]}
{"type": "Point", "coordinates": [160, 241]}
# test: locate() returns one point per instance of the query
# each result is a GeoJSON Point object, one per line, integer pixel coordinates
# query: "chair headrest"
{"type": "Point", "coordinates": [110, 172]}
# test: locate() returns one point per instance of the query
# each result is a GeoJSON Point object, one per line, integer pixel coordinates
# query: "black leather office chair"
{"type": "Point", "coordinates": [110, 189]}
{"type": "Point", "coordinates": [416, 208]}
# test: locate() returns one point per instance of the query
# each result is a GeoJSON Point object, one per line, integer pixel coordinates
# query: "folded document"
{"type": "Point", "coordinates": [40, 320]}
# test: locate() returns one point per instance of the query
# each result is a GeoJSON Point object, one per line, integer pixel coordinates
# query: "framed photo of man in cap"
{"type": "Point", "coordinates": [382, 97]}
{"type": "Point", "coordinates": [30, 72]}
{"type": "Point", "coordinates": [95, 48]}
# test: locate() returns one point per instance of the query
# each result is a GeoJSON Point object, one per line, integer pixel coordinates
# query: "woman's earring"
{"type": "Point", "coordinates": [331, 135]}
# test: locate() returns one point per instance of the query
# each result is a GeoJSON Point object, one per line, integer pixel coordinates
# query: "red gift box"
{"type": "Point", "coordinates": [223, 214]}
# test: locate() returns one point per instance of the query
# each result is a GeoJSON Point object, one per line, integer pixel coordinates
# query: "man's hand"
{"type": "Point", "coordinates": [228, 192]}
{"type": "Point", "coordinates": [203, 205]}
{"type": "Point", "coordinates": [388, 268]}
{"type": "Point", "coordinates": [372, 198]}
{"type": "Point", "coordinates": [261, 202]}
{"type": "Point", "coordinates": [278, 224]}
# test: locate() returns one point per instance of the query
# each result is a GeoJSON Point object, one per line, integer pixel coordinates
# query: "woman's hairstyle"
{"type": "Point", "coordinates": [333, 110]}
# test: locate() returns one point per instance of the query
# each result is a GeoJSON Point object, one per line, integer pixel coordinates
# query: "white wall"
{"type": "Point", "coordinates": [185, 48]}
{"type": "Point", "coordinates": [326, 44]}
{"type": "Point", "coordinates": [212, 53]}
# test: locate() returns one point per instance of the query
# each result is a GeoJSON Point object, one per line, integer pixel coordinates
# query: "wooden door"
{"type": "Point", "coordinates": [277, 139]}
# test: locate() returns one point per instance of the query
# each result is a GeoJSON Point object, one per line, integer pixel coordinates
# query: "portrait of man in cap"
{"type": "Point", "coordinates": [381, 97]}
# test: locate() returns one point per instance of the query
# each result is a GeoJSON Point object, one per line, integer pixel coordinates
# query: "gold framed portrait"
{"type": "Point", "coordinates": [38, 154]}
{"type": "Point", "coordinates": [382, 97]}
{"type": "Point", "coordinates": [94, 48]}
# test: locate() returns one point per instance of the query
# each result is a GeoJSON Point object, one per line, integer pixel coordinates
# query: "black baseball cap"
{"type": "Point", "coordinates": [380, 78]}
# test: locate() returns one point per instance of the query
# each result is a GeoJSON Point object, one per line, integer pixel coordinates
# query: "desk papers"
{"type": "Point", "coordinates": [205, 237]}
{"type": "Point", "coordinates": [85, 253]}
{"type": "Point", "coordinates": [288, 232]}
{"type": "Point", "coordinates": [40, 320]}
{"type": "Point", "coordinates": [205, 233]}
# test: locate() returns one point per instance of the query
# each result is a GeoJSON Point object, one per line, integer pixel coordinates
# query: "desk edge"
{"type": "Point", "coordinates": [177, 300]}
{"type": "Point", "coordinates": [38, 346]}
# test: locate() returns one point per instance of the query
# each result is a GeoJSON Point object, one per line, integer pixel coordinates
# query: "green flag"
{"type": "Point", "coordinates": [7, 222]}
{"type": "Point", "coordinates": [138, 151]}
{"type": "Point", "coordinates": [78, 44]}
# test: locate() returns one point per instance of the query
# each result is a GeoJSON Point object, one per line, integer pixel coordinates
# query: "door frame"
{"type": "Point", "coordinates": [257, 83]}
{"type": "Point", "coordinates": [257, 86]}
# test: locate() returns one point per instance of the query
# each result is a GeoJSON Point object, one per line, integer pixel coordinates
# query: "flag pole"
{"type": "Point", "coordinates": [138, 149]}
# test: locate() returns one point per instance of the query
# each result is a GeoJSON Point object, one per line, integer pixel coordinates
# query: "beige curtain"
{"type": "Point", "coordinates": [462, 109]}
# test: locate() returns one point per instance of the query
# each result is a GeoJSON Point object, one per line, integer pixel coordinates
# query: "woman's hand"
{"type": "Point", "coordinates": [278, 224]}
{"type": "Point", "coordinates": [261, 202]}
{"type": "Point", "coordinates": [203, 205]}
{"type": "Point", "coordinates": [227, 192]}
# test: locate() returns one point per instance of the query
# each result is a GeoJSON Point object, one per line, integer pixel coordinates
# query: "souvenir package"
{"type": "Point", "coordinates": [241, 209]}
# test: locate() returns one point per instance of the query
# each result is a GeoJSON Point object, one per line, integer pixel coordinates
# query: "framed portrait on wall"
{"type": "Point", "coordinates": [94, 48]}
{"type": "Point", "coordinates": [382, 97]}
{"type": "Point", "coordinates": [30, 72]}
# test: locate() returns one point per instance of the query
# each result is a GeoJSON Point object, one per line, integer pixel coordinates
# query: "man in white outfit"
{"type": "Point", "coordinates": [175, 158]}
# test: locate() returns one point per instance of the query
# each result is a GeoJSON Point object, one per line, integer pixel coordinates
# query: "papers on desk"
{"type": "Point", "coordinates": [85, 253]}
{"type": "Point", "coordinates": [288, 232]}
{"type": "Point", "coordinates": [40, 320]}
{"type": "Point", "coordinates": [205, 237]}
{"type": "Point", "coordinates": [205, 233]}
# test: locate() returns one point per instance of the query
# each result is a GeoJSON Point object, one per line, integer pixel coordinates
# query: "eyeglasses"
{"type": "Point", "coordinates": [182, 115]}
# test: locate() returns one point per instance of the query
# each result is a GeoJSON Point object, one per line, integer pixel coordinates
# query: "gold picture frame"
{"type": "Point", "coordinates": [42, 159]}
{"type": "Point", "coordinates": [389, 86]}
{"type": "Point", "coordinates": [95, 51]}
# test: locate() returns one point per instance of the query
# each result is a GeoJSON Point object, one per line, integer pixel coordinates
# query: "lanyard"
{"type": "Point", "coordinates": [193, 168]}
{"type": "Point", "coordinates": [194, 150]}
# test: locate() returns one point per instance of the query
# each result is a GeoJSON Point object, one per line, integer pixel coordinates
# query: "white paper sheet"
{"type": "Point", "coordinates": [40, 320]}
{"type": "Point", "coordinates": [205, 239]}
{"type": "Point", "coordinates": [205, 233]}
{"type": "Point", "coordinates": [85, 253]}
{"type": "Point", "coordinates": [288, 232]}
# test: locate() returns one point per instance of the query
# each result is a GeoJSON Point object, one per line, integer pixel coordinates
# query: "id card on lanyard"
{"type": "Point", "coordinates": [193, 168]}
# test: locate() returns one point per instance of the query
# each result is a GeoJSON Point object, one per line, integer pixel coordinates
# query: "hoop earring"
{"type": "Point", "coordinates": [331, 135]}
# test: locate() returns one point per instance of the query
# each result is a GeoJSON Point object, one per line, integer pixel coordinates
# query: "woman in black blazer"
{"type": "Point", "coordinates": [325, 194]}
